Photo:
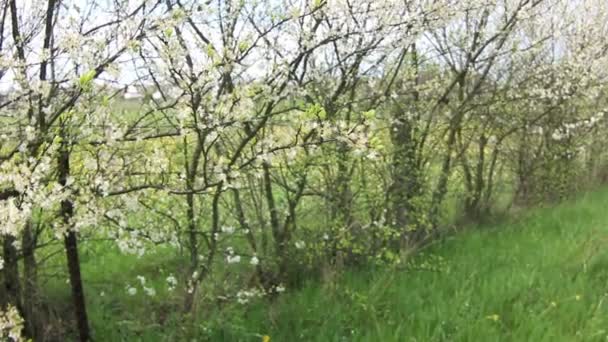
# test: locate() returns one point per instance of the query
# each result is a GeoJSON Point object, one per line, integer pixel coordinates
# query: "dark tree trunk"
{"type": "Point", "coordinates": [344, 192]}
{"type": "Point", "coordinates": [251, 239]}
{"type": "Point", "coordinates": [12, 287]}
{"type": "Point", "coordinates": [30, 283]}
{"type": "Point", "coordinates": [211, 241]}
{"type": "Point", "coordinates": [442, 184]}
{"type": "Point", "coordinates": [71, 248]}
{"type": "Point", "coordinates": [278, 233]}
{"type": "Point", "coordinates": [191, 171]}
{"type": "Point", "coordinates": [192, 232]}
{"type": "Point", "coordinates": [474, 208]}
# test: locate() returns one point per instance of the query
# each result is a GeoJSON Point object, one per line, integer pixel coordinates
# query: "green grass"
{"type": "Point", "coordinates": [542, 276]}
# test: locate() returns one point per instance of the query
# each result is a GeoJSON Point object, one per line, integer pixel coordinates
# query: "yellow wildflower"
{"type": "Point", "coordinates": [493, 317]}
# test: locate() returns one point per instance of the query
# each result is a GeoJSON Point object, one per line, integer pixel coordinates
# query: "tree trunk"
{"type": "Point", "coordinates": [192, 232]}
{"type": "Point", "coordinates": [71, 248]}
{"type": "Point", "coordinates": [205, 269]}
{"type": "Point", "coordinates": [12, 287]}
{"type": "Point", "coordinates": [191, 172]}
{"type": "Point", "coordinates": [343, 188]}
{"type": "Point", "coordinates": [405, 176]}
{"type": "Point", "coordinates": [276, 227]}
{"type": "Point", "coordinates": [405, 184]}
{"type": "Point", "coordinates": [442, 184]}
{"type": "Point", "coordinates": [474, 208]}
{"type": "Point", "coordinates": [30, 284]}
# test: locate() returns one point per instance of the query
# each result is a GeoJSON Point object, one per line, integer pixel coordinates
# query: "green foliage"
{"type": "Point", "coordinates": [85, 81]}
{"type": "Point", "coordinates": [315, 112]}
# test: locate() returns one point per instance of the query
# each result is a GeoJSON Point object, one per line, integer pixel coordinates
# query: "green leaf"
{"type": "Point", "coordinates": [86, 78]}
{"type": "Point", "coordinates": [210, 50]}
{"type": "Point", "coordinates": [316, 111]}
{"type": "Point", "coordinates": [370, 114]}
{"type": "Point", "coordinates": [243, 46]}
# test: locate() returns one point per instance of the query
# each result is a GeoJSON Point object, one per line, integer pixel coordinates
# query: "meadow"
{"type": "Point", "coordinates": [537, 275]}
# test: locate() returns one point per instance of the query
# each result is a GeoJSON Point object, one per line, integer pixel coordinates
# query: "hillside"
{"type": "Point", "coordinates": [541, 277]}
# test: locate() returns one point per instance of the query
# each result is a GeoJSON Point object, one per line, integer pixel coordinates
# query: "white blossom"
{"type": "Point", "coordinates": [149, 291]}
{"type": "Point", "coordinates": [171, 282]}
{"type": "Point", "coordinates": [132, 291]}
{"type": "Point", "coordinates": [228, 230]}
{"type": "Point", "coordinates": [233, 259]}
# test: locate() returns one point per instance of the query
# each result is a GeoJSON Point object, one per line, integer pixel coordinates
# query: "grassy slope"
{"type": "Point", "coordinates": [542, 277]}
